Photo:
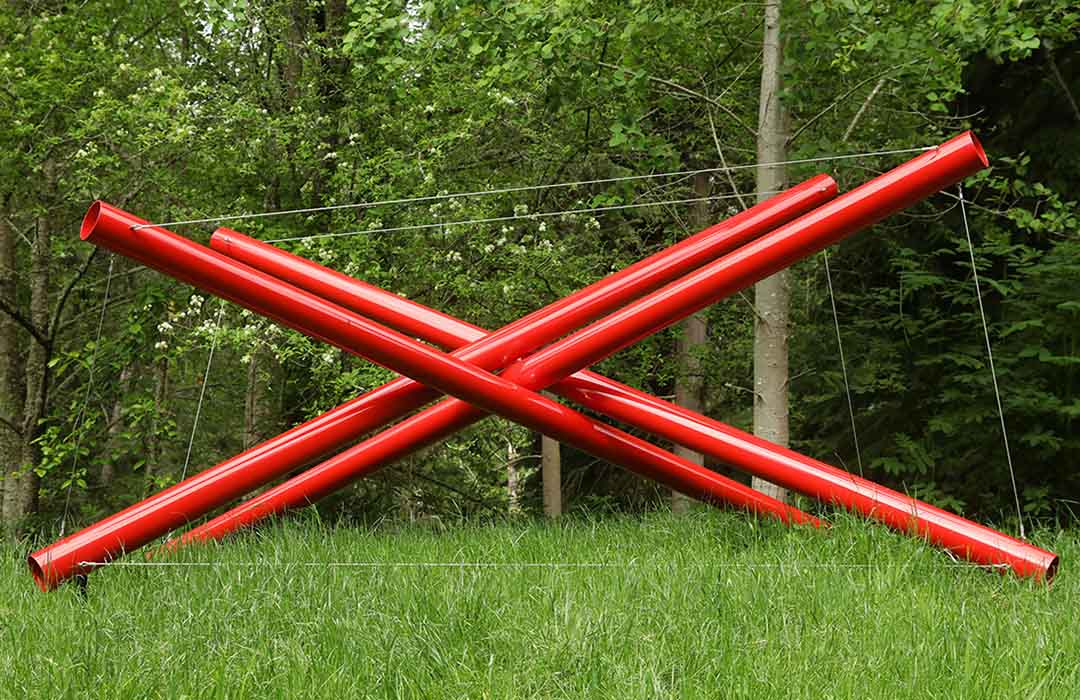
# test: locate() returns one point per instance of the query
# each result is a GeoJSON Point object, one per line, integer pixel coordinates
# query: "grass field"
{"type": "Point", "coordinates": [707, 606]}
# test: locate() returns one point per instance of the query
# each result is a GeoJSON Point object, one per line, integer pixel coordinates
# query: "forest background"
{"type": "Point", "coordinates": [182, 110]}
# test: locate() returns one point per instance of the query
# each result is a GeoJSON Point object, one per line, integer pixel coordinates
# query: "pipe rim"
{"type": "Point", "coordinates": [38, 573]}
{"type": "Point", "coordinates": [89, 222]}
{"type": "Point", "coordinates": [979, 150]}
{"type": "Point", "coordinates": [1052, 569]}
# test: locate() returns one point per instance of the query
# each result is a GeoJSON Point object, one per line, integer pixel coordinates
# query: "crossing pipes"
{"type": "Point", "coordinates": [644, 317]}
{"type": "Point", "coordinates": [176, 506]}
{"type": "Point", "coordinates": [943, 164]}
{"type": "Point", "coordinates": [731, 446]}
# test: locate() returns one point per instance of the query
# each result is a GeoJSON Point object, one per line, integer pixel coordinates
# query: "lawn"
{"type": "Point", "coordinates": [712, 605]}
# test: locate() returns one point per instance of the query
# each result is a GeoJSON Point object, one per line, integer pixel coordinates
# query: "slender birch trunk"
{"type": "Point", "coordinates": [771, 295]}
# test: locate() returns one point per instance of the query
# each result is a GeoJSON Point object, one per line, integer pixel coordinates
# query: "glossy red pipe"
{"type": "Point", "coordinates": [922, 176]}
{"type": "Point", "coordinates": [178, 505]}
{"type": "Point", "coordinates": [734, 447]}
{"type": "Point", "coordinates": [951, 162]}
{"type": "Point", "coordinates": [966, 539]}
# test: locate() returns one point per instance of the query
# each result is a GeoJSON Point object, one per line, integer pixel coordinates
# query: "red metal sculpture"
{"type": "Point", "coordinates": [334, 315]}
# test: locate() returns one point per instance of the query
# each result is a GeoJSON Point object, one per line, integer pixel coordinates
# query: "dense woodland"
{"type": "Point", "coordinates": [184, 110]}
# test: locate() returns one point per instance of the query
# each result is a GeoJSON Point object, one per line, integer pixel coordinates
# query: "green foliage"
{"type": "Point", "coordinates": [928, 413]}
{"type": "Point", "coordinates": [188, 110]}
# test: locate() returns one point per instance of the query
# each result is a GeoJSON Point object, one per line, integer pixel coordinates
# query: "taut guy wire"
{"type": "Point", "coordinates": [524, 188]}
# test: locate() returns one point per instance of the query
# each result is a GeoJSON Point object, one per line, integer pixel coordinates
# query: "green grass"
{"type": "Point", "coordinates": [708, 606]}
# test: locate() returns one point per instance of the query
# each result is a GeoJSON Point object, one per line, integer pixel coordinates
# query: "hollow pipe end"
{"type": "Point", "coordinates": [44, 582]}
{"type": "Point", "coordinates": [89, 222]}
{"type": "Point", "coordinates": [1051, 569]}
{"type": "Point", "coordinates": [977, 146]}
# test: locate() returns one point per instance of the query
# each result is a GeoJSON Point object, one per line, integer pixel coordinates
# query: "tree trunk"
{"type": "Point", "coordinates": [259, 410]}
{"type": "Point", "coordinates": [771, 295]}
{"type": "Point", "coordinates": [1048, 50]}
{"type": "Point", "coordinates": [689, 382]}
{"type": "Point", "coordinates": [157, 425]}
{"type": "Point", "coordinates": [251, 403]}
{"type": "Point", "coordinates": [512, 486]}
{"type": "Point", "coordinates": [551, 475]}
{"type": "Point", "coordinates": [123, 386]}
{"type": "Point", "coordinates": [293, 73]}
{"type": "Point", "coordinates": [21, 492]}
{"type": "Point", "coordinates": [294, 39]}
{"type": "Point", "coordinates": [11, 386]}
{"type": "Point", "coordinates": [116, 426]}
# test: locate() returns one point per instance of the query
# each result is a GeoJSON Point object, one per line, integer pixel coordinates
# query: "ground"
{"type": "Point", "coordinates": [712, 605]}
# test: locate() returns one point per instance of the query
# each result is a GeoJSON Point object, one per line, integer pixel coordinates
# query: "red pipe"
{"type": "Point", "coordinates": [963, 537]}
{"type": "Point", "coordinates": [178, 505]}
{"type": "Point", "coordinates": [734, 447]}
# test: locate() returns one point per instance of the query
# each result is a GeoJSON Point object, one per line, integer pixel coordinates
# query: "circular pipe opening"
{"type": "Point", "coordinates": [1051, 570]}
{"type": "Point", "coordinates": [89, 221]}
{"type": "Point", "coordinates": [979, 151]}
{"type": "Point", "coordinates": [38, 573]}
